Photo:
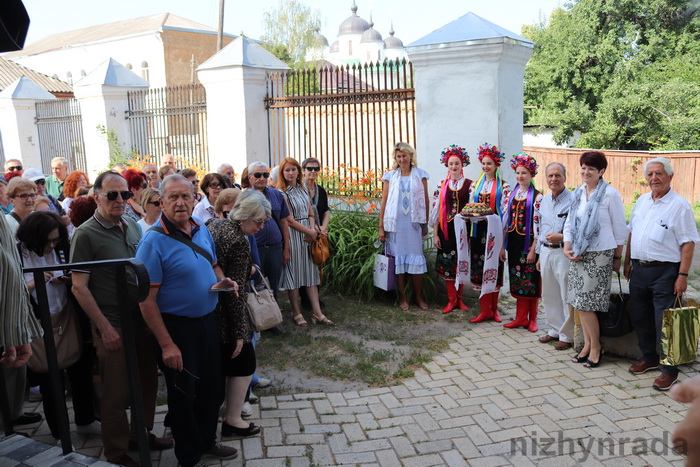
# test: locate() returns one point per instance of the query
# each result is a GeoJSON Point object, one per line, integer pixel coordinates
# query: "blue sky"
{"type": "Point", "coordinates": [413, 19]}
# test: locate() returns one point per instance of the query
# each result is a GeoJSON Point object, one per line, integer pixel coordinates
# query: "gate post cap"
{"type": "Point", "coordinates": [25, 88]}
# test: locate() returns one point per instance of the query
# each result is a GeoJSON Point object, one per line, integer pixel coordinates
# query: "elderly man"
{"type": "Point", "coordinates": [552, 263]}
{"type": "Point", "coordinates": [180, 256]}
{"type": "Point", "coordinates": [108, 234]}
{"type": "Point", "coordinates": [54, 183]}
{"type": "Point", "coordinates": [273, 239]}
{"type": "Point", "coordinates": [227, 170]}
{"type": "Point", "coordinates": [14, 165]}
{"type": "Point", "coordinates": [659, 253]}
{"type": "Point", "coordinates": [169, 159]}
{"type": "Point", "coordinates": [151, 171]}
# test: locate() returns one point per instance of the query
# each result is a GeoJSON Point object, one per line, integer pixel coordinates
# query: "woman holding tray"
{"type": "Point", "coordinates": [449, 199]}
{"type": "Point", "coordinates": [522, 224]}
{"type": "Point", "coordinates": [491, 190]}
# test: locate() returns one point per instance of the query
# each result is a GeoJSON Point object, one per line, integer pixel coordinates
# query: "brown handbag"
{"type": "Point", "coordinates": [320, 250]}
{"type": "Point", "coordinates": [263, 311]}
{"type": "Point", "coordinates": [66, 336]}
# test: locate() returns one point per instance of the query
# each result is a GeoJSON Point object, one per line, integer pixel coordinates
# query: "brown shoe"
{"type": "Point", "coordinates": [546, 339]}
{"type": "Point", "coordinates": [561, 345]}
{"type": "Point", "coordinates": [154, 443]}
{"type": "Point", "coordinates": [124, 460]}
{"type": "Point", "coordinates": [664, 382]}
{"type": "Point", "coordinates": [642, 367]}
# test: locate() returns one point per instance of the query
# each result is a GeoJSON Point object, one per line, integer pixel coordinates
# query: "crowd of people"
{"type": "Point", "coordinates": [205, 242]}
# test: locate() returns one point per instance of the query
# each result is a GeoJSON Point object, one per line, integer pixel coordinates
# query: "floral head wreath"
{"type": "Point", "coordinates": [455, 151]}
{"type": "Point", "coordinates": [525, 160]}
{"type": "Point", "coordinates": [491, 151]}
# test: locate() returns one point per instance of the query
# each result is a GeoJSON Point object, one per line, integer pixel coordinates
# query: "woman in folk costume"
{"type": "Point", "coordinates": [489, 189]}
{"type": "Point", "coordinates": [449, 199]}
{"type": "Point", "coordinates": [522, 227]}
{"type": "Point", "coordinates": [403, 218]}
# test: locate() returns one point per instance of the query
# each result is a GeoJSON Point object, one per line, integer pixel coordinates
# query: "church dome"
{"type": "Point", "coordinates": [319, 40]}
{"type": "Point", "coordinates": [392, 42]}
{"type": "Point", "coordinates": [335, 47]}
{"type": "Point", "coordinates": [371, 35]}
{"type": "Point", "coordinates": [354, 24]}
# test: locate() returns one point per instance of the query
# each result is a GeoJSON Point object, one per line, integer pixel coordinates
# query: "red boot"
{"type": "Point", "coordinates": [533, 315]}
{"type": "Point", "coordinates": [494, 306]}
{"type": "Point", "coordinates": [485, 313]}
{"type": "Point", "coordinates": [452, 296]}
{"type": "Point", "coordinates": [460, 303]}
{"type": "Point", "coordinates": [521, 315]}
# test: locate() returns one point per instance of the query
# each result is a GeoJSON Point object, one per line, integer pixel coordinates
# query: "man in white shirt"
{"type": "Point", "coordinates": [659, 253]}
{"type": "Point", "coordinates": [553, 265]}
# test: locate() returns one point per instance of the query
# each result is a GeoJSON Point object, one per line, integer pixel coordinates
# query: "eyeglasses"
{"type": "Point", "coordinates": [154, 203]}
{"type": "Point", "coordinates": [112, 195]}
{"type": "Point", "coordinates": [260, 222]}
{"type": "Point", "coordinates": [313, 169]}
{"type": "Point", "coordinates": [215, 185]}
{"type": "Point", "coordinates": [14, 168]}
{"type": "Point", "coordinates": [40, 182]}
{"type": "Point", "coordinates": [26, 195]}
{"type": "Point", "coordinates": [261, 174]}
{"type": "Point", "coordinates": [195, 182]}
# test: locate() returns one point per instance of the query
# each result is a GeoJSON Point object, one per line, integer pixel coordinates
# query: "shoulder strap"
{"type": "Point", "coordinates": [186, 241]}
{"type": "Point", "coordinates": [15, 217]}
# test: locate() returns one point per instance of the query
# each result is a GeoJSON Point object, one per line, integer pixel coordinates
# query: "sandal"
{"type": "Point", "coordinates": [299, 320]}
{"type": "Point", "coordinates": [404, 306]}
{"type": "Point", "coordinates": [321, 320]}
{"type": "Point", "coordinates": [423, 306]}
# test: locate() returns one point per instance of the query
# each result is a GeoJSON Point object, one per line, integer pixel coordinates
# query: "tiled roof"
{"type": "Point", "coordinates": [102, 32]}
{"type": "Point", "coordinates": [11, 71]}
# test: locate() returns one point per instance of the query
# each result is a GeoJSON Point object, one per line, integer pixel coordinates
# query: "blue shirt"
{"type": "Point", "coordinates": [183, 276]}
{"type": "Point", "coordinates": [270, 234]}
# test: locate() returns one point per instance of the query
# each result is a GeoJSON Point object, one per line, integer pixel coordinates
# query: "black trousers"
{"type": "Point", "coordinates": [651, 290]}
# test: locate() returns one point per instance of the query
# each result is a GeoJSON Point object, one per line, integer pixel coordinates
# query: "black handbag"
{"type": "Point", "coordinates": [616, 322]}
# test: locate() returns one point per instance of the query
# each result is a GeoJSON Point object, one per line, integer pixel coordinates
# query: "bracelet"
{"type": "Point", "coordinates": [684, 274]}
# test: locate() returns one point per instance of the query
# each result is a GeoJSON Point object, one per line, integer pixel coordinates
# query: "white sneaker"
{"type": "Point", "coordinates": [253, 399]}
{"type": "Point", "coordinates": [94, 428]}
{"type": "Point", "coordinates": [263, 383]}
{"type": "Point", "coordinates": [247, 410]}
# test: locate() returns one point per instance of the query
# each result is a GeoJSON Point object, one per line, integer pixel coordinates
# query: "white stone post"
{"type": "Point", "coordinates": [103, 101]}
{"type": "Point", "coordinates": [20, 136]}
{"type": "Point", "coordinates": [469, 91]}
{"type": "Point", "coordinates": [237, 123]}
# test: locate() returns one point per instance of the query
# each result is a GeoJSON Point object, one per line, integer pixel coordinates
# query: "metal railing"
{"type": "Point", "coordinates": [346, 116]}
{"type": "Point", "coordinates": [60, 126]}
{"type": "Point", "coordinates": [56, 382]}
{"type": "Point", "coordinates": [170, 120]}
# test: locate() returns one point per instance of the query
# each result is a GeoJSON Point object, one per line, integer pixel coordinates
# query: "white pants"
{"type": "Point", "coordinates": [554, 267]}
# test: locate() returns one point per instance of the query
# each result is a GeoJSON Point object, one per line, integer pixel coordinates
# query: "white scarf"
{"type": "Point", "coordinates": [494, 242]}
{"type": "Point", "coordinates": [418, 215]}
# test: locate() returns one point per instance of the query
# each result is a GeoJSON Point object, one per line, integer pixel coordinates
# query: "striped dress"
{"type": "Point", "coordinates": [300, 271]}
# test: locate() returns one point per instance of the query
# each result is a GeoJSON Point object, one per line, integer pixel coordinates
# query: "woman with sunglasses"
{"type": "Point", "coordinates": [22, 194]}
{"type": "Point", "coordinates": [137, 182]}
{"type": "Point", "coordinates": [211, 186]}
{"type": "Point", "coordinates": [150, 201]}
{"type": "Point", "coordinates": [317, 194]}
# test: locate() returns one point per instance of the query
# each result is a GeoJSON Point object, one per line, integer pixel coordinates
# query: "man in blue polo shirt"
{"type": "Point", "coordinates": [180, 256]}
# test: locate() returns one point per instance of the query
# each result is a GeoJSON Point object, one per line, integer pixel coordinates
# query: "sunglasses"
{"type": "Point", "coordinates": [214, 185]}
{"type": "Point", "coordinates": [14, 168]}
{"type": "Point", "coordinates": [112, 195]}
{"type": "Point", "coordinates": [313, 169]}
{"type": "Point", "coordinates": [195, 182]}
{"type": "Point", "coordinates": [40, 182]}
{"type": "Point", "coordinates": [155, 203]}
{"type": "Point", "coordinates": [261, 174]}
{"type": "Point", "coordinates": [26, 195]}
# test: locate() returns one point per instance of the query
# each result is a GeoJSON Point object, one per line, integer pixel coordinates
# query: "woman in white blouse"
{"type": "Point", "coordinates": [594, 234]}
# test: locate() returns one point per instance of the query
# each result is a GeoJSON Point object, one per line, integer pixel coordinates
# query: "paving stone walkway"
{"type": "Point", "coordinates": [496, 397]}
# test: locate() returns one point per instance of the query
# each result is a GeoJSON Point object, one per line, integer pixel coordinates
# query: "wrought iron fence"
{"type": "Point", "coordinates": [60, 126]}
{"type": "Point", "coordinates": [349, 117]}
{"type": "Point", "coordinates": [170, 120]}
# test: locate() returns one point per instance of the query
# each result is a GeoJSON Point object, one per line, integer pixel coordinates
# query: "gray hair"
{"type": "Point", "coordinates": [563, 167]}
{"type": "Point", "coordinates": [171, 179]}
{"type": "Point", "coordinates": [223, 166]}
{"type": "Point", "coordinates": [61, 159]}
{"type": "Point", "coordinates": [660, 160]}
{"type": "Point", "coordinates": [250, 204]}
{"type": "Point", "coordinates": [251, 167]}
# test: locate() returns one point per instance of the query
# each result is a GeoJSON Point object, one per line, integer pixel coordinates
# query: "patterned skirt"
{"type": "Point", "coordinates": [589, 281]}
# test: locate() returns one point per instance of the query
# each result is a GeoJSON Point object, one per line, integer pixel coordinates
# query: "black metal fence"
{"type": "Point", "coordinates": [60, 126]}
{"type": "Point", "coordinates": [170, 120]}
{"type": "Point", "coordinates": [349, 117]}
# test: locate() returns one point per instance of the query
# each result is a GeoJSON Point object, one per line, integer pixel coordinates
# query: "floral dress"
{"type": "Point", "coordinates": [525, 279]}
{"type": "Point", "coordinates": [478, 241]}
{"type": "Point", "coordinates": [457, 196]}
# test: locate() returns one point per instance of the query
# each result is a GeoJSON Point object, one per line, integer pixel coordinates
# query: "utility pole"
{"type": "Point", "coordinates": [220, 32]}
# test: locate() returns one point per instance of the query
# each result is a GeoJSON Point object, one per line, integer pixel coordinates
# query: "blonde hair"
{"type": "Point", "coordinates": [408, 149]}
{"type": "Point", "coordinates": [227, 196]}
{"type": "Point", "coordinates": [17, 184]}
{"type": "Point", "coordinates": [146, 196]}
{"type": "Point", "coordinates": [41, 200]}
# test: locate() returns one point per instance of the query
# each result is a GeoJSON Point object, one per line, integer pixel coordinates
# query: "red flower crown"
{"type": "Point", "coordinates": [491, 151]}
{"type": "Point", "coordinates": [454, 151]}
{"type": "Point", "coordinates": [525, 160]}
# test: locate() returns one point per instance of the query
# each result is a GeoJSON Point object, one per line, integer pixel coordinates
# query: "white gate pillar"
{"type": "Point", "coordinates": [469, 91]}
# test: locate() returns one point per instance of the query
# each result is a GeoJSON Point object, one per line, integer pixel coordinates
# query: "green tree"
{"type": "Point", "coordinates": [289, 29]}
{"type": "Point", "coordinates": [623, 72]}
